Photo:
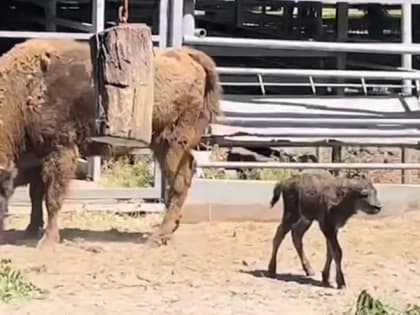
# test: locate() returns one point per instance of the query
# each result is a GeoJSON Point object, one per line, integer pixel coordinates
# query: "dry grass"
{"type": "Point", "coordinates": [120, 173]}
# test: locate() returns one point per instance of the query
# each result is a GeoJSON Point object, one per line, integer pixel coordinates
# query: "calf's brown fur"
{"type": "Point", "coordinates": [47, 109]}
{"type": "Point", "coordinates": [318, 195]}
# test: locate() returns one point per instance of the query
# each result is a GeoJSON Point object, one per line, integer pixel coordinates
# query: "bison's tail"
{"type": "Point", "coordinates": [276, 194]}
{"type": "Point", "coordinates": [214, 91]}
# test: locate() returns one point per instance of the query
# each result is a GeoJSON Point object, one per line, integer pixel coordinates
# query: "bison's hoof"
{"type": "Point", "coordinates": [33, 232]}
{"type": "Point", "coordinates": [157, 240]}
{"type": "Point", "coordinates": [309, 273]}
{"type": "Point", "coordinates": [3, 239]}
{"type": "Point", "coordinates": [48, 241]}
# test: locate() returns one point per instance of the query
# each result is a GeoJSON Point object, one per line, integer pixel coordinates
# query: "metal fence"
{"type": "Point", "coordinates": [177, 27]}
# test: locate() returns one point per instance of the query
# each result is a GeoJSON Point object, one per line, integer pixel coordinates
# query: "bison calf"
{"type": "Point", "coordinates": [317, 195]}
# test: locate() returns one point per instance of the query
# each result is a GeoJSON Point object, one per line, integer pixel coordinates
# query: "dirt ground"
{"type": "Point", "coordinates": [103, 267]}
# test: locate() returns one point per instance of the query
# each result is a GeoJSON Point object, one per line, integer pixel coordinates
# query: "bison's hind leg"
{"type": "Point", "coordinates": [298, 231]}
{"type": "Point", "coordinates": [335, 252]}
{"type": "Point", "coordinates": [177, 165]}
{"type": "Point", "coordinates": [36, 193]}
{"type": "Point", "coordinates": [290, 217]}
{"type": "Point", "coordinates": [57, 171]}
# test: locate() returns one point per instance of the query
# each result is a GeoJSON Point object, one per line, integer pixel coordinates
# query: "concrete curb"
{"type": "Point", "coordinates": [230, 200]}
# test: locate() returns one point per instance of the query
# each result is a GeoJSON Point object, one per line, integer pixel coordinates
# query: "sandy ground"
{"type": "Point", "coordinates": [102, 267]}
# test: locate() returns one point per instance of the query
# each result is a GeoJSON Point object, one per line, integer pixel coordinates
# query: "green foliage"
{"type": "Point", "coordinates": [120, 173]}
{"type": "Point", "coordinates": [367, 305]}
{"type": "Point", "coordinates": [14, 286]}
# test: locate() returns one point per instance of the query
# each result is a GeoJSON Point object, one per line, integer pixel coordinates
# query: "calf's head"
{"type": "Point", "coordinates": [366, 195]}
{"type": "Point", "coordinates": [7, 176]}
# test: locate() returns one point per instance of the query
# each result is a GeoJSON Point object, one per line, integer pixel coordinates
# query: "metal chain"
{"type": "Point", "coordinates": [123, 12]}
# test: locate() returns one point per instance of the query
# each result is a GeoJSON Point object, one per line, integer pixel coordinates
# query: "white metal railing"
{"type": "Point", "coordinates": [318, 73]}
{"type": "Point", "coordinates": [299, 165]}
{"type": "Point", "coordinates": [335, 47]}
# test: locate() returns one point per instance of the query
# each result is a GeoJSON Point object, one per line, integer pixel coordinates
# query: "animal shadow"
{"type": "Point", "coordinates": [17, 237]}
{"type": "Point", "coordinates": [286, 277]}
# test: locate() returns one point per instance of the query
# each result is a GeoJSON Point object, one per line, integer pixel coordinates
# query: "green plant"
{"type": "Point", "coordinates": [367, 305]}
{"type": "Point", "coordinates": [14, 286]}
{"type": "Point", "coordinates": [120, 173]}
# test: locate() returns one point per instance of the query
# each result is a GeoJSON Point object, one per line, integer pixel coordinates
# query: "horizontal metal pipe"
{"type": "Point", "coordinates": [349, 74]}
{"type": "Point", "coordinates": [332, 134]}
{"type": "Point", "coordinates": [354, 85]}
{"type": "Point", "coordinates": [53, 35]}
{"type": "Point", "coordinates": [268, 122]}
{"type": "Point", "coordinates": [200, 32]}
{"type": "Point", "coordinates": [281, 165]}
{"type": "Point", "coordinates": [336, 47]}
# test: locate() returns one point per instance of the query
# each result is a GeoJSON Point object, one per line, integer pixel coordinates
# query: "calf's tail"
{"type": "Point", "coordinates": [214, 91]}
{"type": "Point", "coordinates": [276, 194]}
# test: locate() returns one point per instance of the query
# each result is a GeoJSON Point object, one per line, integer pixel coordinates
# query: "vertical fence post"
{"type": "Point", "coordinates": [98, 16]}
{"type": "Point", "coordinates": [407, 38]}
{"type": "Point", "coordinates": [188, 18]}
{"type": "Point", "coordinates": [342, 26]}
{"type": "Point", "coordinates": [50, 10]}
{"type": "Point", "coordinates": [176, 21]}
{"type": "Point", "coordinates": [98, 25]}
{"type": "Point", "coordinates": [163, 23]}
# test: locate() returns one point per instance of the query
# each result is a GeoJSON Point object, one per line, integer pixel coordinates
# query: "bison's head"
{"type": "Point", "coordinates": [7, 176]}
{"type": "Point", "coordinates": [367, 196]}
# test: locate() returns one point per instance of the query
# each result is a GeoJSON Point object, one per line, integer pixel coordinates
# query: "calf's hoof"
{"type": "Point", "coordinates": [271, 272]}
{"type": "Point", "coordinates": [325, 281]}
{"type": "Point", "coordinates": [309, 272]}
{"type": "Point", "coordinates": [341, 286]}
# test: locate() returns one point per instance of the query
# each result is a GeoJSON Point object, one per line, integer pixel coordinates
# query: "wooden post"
{"type": "Point", "coordinates": [336, 157]}
{"type": "Point", "coordinates": [122, 59]}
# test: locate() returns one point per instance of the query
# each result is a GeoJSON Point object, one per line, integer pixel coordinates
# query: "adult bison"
{"type": "Point", "coordinates": [318, 195]}
{"type": "Point", "coordinates": [47, 109]}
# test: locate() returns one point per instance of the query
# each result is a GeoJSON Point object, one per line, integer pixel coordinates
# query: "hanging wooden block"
{"type": "Point", "coordinates": [123, 73]}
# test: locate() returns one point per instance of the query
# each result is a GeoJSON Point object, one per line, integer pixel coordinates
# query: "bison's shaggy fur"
{"type": "Point", "coordinates": [48, 109]}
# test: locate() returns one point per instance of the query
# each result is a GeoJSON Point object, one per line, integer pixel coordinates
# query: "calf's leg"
{"type": "Point", "coordinates": [36, 193]}
{"type": "Point", "coordinates": [298, 231]}
{"type": "Point", "coordinates": [57, 171]}
{"type": "Point", "coordinates": [334, 250]}
{"type": "Point", "coordinates": [327, 266]}
{"type": "Point", "coordinates": [289, 219]}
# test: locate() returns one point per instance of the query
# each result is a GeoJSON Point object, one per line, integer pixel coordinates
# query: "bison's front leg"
{"type": "Point", "coordinates": [58, 169]}
{"type": "Point", "coordinates": [36, 193]}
